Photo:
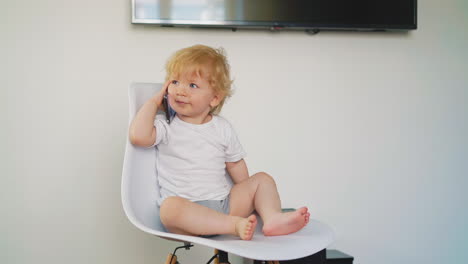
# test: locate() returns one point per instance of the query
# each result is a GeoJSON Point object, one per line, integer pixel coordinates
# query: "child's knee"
{"type": "Point", "coordinates": [264, 177]}
{"type": "Point", "coordinates": [170, 210]}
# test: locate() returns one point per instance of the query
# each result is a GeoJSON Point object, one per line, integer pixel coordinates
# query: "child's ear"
{"type": "Point", "coordinates": [216, 100]}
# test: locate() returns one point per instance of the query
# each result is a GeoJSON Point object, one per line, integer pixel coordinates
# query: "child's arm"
{"type": "Point", "coordinates": [238, 171]}
{"type": "Point", "coordinates": [142, 131]}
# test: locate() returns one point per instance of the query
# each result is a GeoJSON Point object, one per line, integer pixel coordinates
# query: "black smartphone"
{"type": "Point", "coordinates": [170, 113]}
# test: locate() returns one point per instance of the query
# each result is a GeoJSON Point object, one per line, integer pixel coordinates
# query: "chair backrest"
{"type": "Point", "coordinates": [140, 189]}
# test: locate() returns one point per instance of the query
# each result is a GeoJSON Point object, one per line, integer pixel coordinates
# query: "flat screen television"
{"type": "Point", "coordinates": [371, 15]}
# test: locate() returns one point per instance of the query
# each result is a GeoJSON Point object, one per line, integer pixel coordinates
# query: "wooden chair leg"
{"type": "Point", "coordinates": [169, 257]}
{"type": "Point", "coordinates": [216, 260]}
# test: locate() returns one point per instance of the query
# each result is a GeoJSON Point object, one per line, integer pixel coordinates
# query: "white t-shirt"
{"type": "Point", "coordinates": [190, 160]}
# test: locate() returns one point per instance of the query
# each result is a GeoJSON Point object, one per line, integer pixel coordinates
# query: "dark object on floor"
{"type": "Point", "coordinates": [337, 257]}
{"type": "Point", "coordinates": [330, 256]}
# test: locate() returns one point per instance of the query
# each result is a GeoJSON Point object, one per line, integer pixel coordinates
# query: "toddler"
{"type": "Point", "coordinates": [205, 185]}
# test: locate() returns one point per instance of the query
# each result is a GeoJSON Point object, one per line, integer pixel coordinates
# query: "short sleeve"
{"type": "Point", "coordinates": [234, 149]}
{"type": "Point", "coordinates": [161, 129]}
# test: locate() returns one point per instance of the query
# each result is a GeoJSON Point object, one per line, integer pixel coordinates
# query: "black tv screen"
{"type": "Point", "coordinates": [279, 14]}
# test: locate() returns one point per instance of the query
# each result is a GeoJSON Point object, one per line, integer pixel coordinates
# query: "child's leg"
{"type": "Point", "coordinates": [259, 193]}
{"type": "Point", "coordinates": [182, 216]}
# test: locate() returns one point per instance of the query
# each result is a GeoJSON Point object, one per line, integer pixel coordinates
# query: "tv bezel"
{"type": "Point", "coordinates": [274, 25]}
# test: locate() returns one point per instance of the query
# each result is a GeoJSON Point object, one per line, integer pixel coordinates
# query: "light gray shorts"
{"type": "Point", "coordinates": [221, 206]}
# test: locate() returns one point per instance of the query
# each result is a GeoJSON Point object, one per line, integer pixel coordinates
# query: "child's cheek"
{"type": "Point", "coordinates": [170, 89]}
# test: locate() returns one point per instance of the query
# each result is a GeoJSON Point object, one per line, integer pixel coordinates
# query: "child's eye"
{"type": "Point", "coordinates": [192, 85]}
{"type": "Point", "coordinates": [175, 82]}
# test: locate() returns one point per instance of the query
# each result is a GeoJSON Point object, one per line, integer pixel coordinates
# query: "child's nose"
{"type": "Point", "coordinates": [181, 90]}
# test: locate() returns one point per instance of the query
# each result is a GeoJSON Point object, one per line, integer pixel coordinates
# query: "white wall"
{"type": "Point", "coordinates": [367, 129]}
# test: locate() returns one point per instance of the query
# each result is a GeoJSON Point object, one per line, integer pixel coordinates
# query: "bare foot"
{"type": "Point", "coordinates": [286, 223]}
{"type": "Point", "coordinates": [245, 227]}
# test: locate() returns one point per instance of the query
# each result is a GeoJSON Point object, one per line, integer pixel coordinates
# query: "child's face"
{"type": "Point", "coordinates": [192, 96]}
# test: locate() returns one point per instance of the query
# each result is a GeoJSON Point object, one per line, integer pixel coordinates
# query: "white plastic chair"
{"type": "Point", "coordinates": [140, 191]}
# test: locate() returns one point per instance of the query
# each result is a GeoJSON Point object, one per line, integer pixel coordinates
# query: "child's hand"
{"type": "Point", "coordinates": [158, 97]}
